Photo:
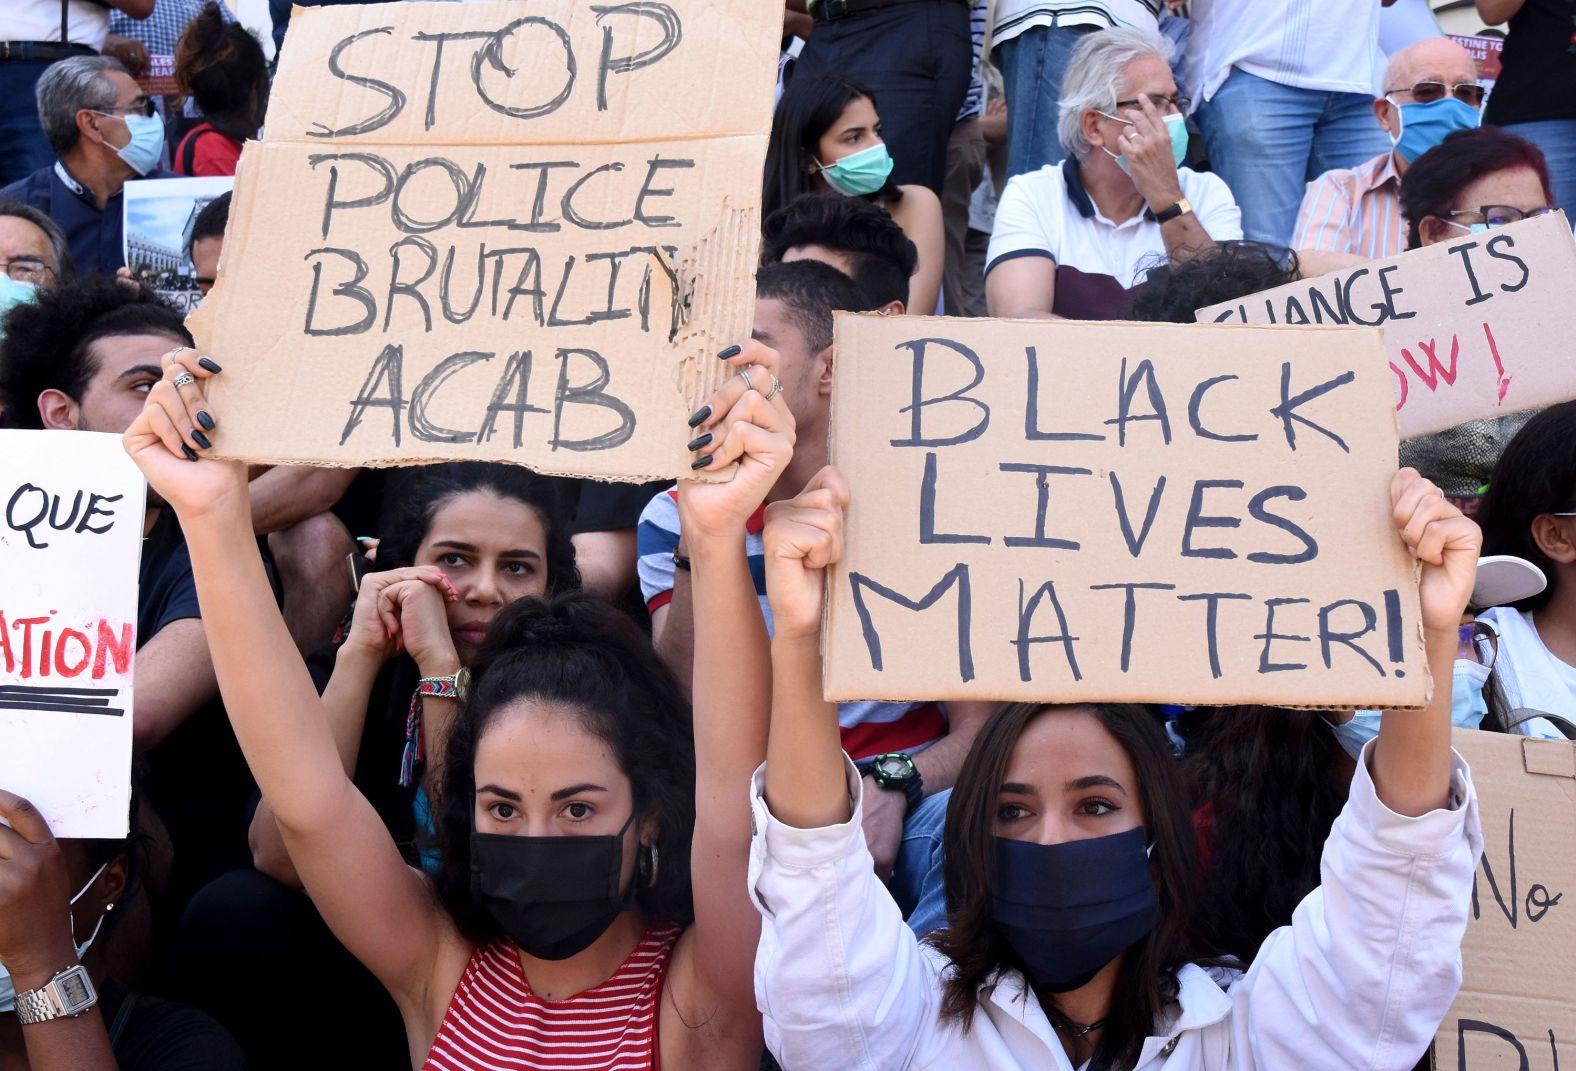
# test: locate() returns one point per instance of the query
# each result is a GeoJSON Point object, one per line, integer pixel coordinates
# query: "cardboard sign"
{"type": "Point", "coordinates": [157, 236]}
{"type": "Point", "coordinates": [1475, 328]}
{"type": "Point", "coordinates": [494, 231]}
{"type": "Point", "coordinates": [1516, 1008]}
{"type": "Point", "coordinates": [158, 77]}
{"type": "Point", "coordinates": [70, 542]}
{"type": "Point", "coordinates": [1080, 511]}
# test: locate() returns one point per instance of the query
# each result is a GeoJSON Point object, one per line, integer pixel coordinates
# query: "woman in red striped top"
{"type": "Point", "coordinates": [563, 928]}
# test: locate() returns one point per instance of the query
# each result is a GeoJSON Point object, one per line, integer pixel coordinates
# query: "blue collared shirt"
{"type": "Point", "coordinates": [93, 233]}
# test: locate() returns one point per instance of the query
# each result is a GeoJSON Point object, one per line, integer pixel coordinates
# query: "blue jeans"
{"type": "Point", "coordinates": [1268, 141]}
{"type": "Point", "coordinates": [916, 876]}
{"type": "Point", "coordinates": [1032, 65]}
{"type": "Point", "coordinates": [1557, 139]}
{"type": "Point", "coordinates": [23, 147]}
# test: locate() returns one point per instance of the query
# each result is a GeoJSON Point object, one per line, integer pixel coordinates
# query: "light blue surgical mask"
{"type": "Point", "coordinates": [1176, 127]}
{"type": "Point", "coordinates": [1475, 228]}
{"type": "Point", "coordinates": [142, 152]}
{"type": "Point", "coordinates": [1467, 708]}
{"type": "Point", "coordinates": [1425, 125]}
{"type": "Point", "coordinates": [8, 987]}
{"type": "Point", "coordinates": [860, 173]}
{"type": "Point", "coordinates": [12, 294]}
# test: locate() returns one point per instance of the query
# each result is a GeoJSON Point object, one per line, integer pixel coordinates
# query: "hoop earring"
{"type": "Point", "coordinates": [651, 882]}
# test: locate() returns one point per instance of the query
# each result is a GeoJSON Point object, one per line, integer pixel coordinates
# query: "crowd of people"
{"type": "Point", "coordinates": [543, 777]}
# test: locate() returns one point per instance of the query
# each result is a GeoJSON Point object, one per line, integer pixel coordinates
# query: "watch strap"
{"type": "Point", "coordinates": [1181, 208]}
{"type": "Point", "coordinates": [46, 1002]}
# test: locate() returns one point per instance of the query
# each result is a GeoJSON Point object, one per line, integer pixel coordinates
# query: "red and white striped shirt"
{"type": "Point", "coordinates": [495, 1022]}
{"type": "Point", "coordinates": [1354, 210]}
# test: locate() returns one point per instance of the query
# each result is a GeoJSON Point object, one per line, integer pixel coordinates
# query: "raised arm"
{"type": "Point", "coordinates": [377, 906]}
{"type": "Point", "coordinates": [732, 680]}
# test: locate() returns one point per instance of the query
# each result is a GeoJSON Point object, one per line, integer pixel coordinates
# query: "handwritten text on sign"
{"type": "Point", "coordinates": [1118, 511]}
{"type": "Point", "coordinates": [70, 539]}
{"type": "Point", "coordinates": [1475, 328]}
{"type": "Point", "coordinates": [464, 234]}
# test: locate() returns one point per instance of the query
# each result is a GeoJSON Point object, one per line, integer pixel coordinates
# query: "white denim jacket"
{"type": "Point", "coordinates": [1359, 981]}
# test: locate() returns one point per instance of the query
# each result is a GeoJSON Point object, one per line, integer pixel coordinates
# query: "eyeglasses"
{"type": "Point", "coordinates": [28, 270]}
{"type": "Point", "coordinates": [140, 106]}
{"type": "Point", "coordinates": [1162, 104]}
{"type": "Point", "coordinates": [1478, 642]}
{"type": "Point", "coordinates": [1428, 92]}
{"type": "Point", "coordinates": [1500, 215]}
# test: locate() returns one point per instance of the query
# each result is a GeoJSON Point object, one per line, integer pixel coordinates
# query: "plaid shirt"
{"type": "Point", "coordinates": [160, 30]}
{"type": "Point", "coordinates": [1355, 210]}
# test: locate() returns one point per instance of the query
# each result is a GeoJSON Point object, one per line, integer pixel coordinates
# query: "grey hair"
{"type": "Point", "coordinates": [59, 250]}
{"type": "Point", "coordinates": [1094, 77]}
{"type": "Point", "coordinates": [67, 87]}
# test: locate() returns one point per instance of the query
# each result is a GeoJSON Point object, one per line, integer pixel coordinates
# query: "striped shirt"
{"type": "Point", "coordinates": [869, 728]}
{"type": "Point", "coordinates": [1354, 210]}
{"type": "Point", "coordinates": [974, 100]}
{"type": "Point", "coordinates": [1015, 16]}
{"type": "Point", "coordinates": [495, 1022]}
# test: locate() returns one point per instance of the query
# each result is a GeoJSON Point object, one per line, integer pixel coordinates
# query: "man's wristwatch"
{"type": "Point", "coordinates": [67, 994]}
{"type": "Point", "coordinates": [454, 686]}
{"type": "Point", "coordinates": [1181, 208]}
{"type": "Point", "coordinates": [896, 772]}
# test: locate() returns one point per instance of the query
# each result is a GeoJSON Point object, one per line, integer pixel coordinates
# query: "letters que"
{"type": "Point", "coordinates": [33, 645]}
{"type": "Point", "coordinates": [463, 248]}
{"type": "Point", "coordinates": [1220, 519]}
{"type": "Point", "coordinates": [1371, 298]}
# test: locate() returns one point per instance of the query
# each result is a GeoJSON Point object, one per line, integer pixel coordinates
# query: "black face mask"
{"type": "Point", "coordinates": [1069, 909]}
{"type": "Point", "coordinates": [554, 895]}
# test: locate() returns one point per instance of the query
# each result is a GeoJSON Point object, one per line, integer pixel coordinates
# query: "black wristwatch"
{"type": "Point", "coordinates": [896, 772]}
{"type": "Point", "coordinates": [1181, 208]}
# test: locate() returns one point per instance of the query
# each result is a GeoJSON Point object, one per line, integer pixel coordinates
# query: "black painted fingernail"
{"type": "Point", "coordinates": [698, 443]}
{"type": "Point", "coordinates": [731, 351]}
{"type": "Point", "coordinates": [191, 455]}
{"type": "Point", "coordinates": [210, 365]}
{"type": "Point", "coordinates": [201, 440]}
{"type": "Point", "coordinates": [700, 414]}
{"type": "Point", "coordinates": [700, 462]}
{"type": "Point", "coordinates": [204, 419]}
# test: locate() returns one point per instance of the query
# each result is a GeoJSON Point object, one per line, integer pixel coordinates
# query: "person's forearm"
{"type": "Point", "coordinates": [266, 842]}
{"type": "Point", "coordinates": [806, 782]}
{"type": "Point", "coordinates": [1185, 237]}
{"type": "Point", "coordinates": [938, 764]}
{"type": "Point", "coordinates": [78, 1044]}
{"type": "Point", "coordinates": [286, 495]}
{"type": "Point", "coordinates": [731, 694]}
{"type": "Point", "coordinates": [675, 643]}
{"type": "Point", "coordinates": [345, 701]}
{"type": "Point", "coordinates": [1411, 759]}
{"type": "Point", "coordinates": [1315, 262]}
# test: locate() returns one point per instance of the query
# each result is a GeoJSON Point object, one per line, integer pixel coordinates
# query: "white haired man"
{"type": "Point", "coordinates": [1072, 241]}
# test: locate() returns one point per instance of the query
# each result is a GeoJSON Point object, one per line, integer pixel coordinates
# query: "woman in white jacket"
{"type": "Point", "coordinates": [1069, 868]}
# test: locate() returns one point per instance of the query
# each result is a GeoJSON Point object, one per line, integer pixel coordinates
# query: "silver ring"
{"type": "Point", "coordinates": [744, 374]}
{"type": "Point", "coordinates": [777, 388]}
{"type": "Point", "coordinates": [182, 380]}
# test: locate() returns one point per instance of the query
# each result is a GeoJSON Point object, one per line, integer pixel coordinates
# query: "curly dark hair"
{"type": "Point", "coordinates": [578, 651]}
{"type": "Point", "coordinates": [1269, 783]}
{"type": "Point", "coordinates": [414, 496]}
{"type": "Point", "coordinates": [1147, 982]}
{"type": "Point", "coordinates": [1173, 290]}
{"type": "Point", "coordinates": [47, 344]}
{"type": "Point", "coordinates": [880, 253]}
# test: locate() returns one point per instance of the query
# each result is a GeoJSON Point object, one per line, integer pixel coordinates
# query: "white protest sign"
{"type": "Point", "coordinates": [70, 543]}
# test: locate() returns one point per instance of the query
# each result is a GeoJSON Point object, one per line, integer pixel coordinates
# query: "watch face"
{"type": "Point", "coordinates": [74, 990]}
{"type": "Point", "coordinates": [893, 766]}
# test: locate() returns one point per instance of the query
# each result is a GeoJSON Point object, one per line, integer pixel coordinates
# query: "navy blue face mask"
{"type": "Point", "coordinates": [1069, 909]}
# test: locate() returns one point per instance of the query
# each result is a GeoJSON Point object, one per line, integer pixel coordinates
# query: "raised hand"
{"type": "Point", "coordinates": [375, 624]}
{"type": "Point", "coordinates": [803, 536]}
{"type": "Point", "coordinates": [35, 929]}
{"type": "Point", "coordinates": [738, 423]}
{"type": "Point", "coordinates": [176, 428]}
{"type": "Point", "coordinates": [1445, 541]}
{"type": "Point", "coordinates": [1147, 146]}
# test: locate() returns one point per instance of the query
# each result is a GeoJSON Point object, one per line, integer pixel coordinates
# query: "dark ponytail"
{"type": "Point", "coordinates": [222, 65]}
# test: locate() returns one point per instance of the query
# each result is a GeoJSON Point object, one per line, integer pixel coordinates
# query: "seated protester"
{"type": "Point", "coordinates": [568, 804]}
{"type": "Point", "coordinates": [33, 249]}
{"type": "Point", "coordinates": [1071, 240]}
{"type": "Point", "coordinates": [206, 241]}
{"type": "Point", "coordinates": [1173, 291]}
{"type": "Point", "coordinates": [83, 357]}
{"type": "Point", "coordinates": [1070, 877]}
{"type": "Point", "coordinates": [1473, 181]}
{"type": "Point", "coordinates": [1530, 511]}
{"type": "Point", "coordinates": [220, 65]}
{"type": "Point", "coordinates": [826, 138]}
{"type": "Point", "coordinates": [1353, 215]}
{"type": "Point", "coordinates": [922, 743]}
{"type": "Point", "coordinates": [57, 911]}
{"type": "Point", "coordinates": [853, 236]}
{"type": "Point", "coordinates": [104, 131]}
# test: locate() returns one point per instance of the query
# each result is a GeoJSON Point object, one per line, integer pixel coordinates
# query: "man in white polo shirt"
{"type": "Point", "coordinates": [1073, 241]}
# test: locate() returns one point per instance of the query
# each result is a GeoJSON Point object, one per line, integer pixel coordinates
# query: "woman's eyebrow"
{"type": "Point", "coordinates": [1095, 781]}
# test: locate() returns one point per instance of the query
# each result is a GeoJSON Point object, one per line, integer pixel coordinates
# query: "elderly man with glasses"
{"type": "Point", "coordinates": [1353, 215]}
{"type": "Point", "coordinates": [104, 132]}
{"type": "Point", "coordinates": [33, 249]}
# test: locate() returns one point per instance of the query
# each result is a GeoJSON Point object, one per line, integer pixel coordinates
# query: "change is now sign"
{"type": "Point", "coordinates": [70, 543]}
{"type": "Point", "coordinates": [494, 231]}
{"type": "Point", "coordinates": [1474, 328]}
{"type": "Point", "coordinates": [1150, 512]}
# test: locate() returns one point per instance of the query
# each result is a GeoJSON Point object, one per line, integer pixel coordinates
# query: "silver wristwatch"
{"type": "Point", "coordinates": [67, 994]}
